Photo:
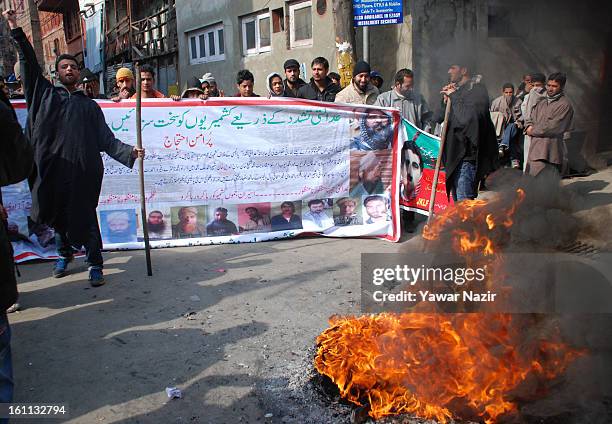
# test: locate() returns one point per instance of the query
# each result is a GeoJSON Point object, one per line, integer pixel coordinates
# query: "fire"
{"type": "Point", "coordinates": [444, 366]}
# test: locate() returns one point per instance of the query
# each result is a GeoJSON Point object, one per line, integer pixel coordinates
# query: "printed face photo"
{"type": "Point", "coordinates": [118, 226]}
{"type": "Point", "coordinates": [286, 215]}
{"type": "Point", "coordinates": [372, 130]}
{"type": "Point", "coordinates": [222, 220]}
{"type": "Point", "coordinates": [254, 217]}
{"type": "Point", "coordinates": [317, 214]}
{"type": "Point", "coordinates": [347, 211]}
{"type": "Point", "coordinates": [188, 221]}
{"type": "Point", "coordinates": [158, 223]}
{"type": "Point", "coordinates": [376, 208]}
{"type": "Point", "coordinates": [412, 171]}
{"type": "Point", "coordinates": [371, 172]}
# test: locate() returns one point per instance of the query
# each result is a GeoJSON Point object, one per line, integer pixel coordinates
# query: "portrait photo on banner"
{"type": "Point", "coordinates": [118, 225]}
{"type": "Point", "coordinates": [254, 217]}
{"type": "Point", "coordinates": [221, 220]}
{"type": "Point", "coordinates": [286, 215]}
{"type": "Point", "coordinates": [188, 221]}
{"type": "Point", "coordinates": [317, 214]}
{"type": "Point", "coordinates": [376, 209]}
{"type": "Point", "coordinates": [411, 171]}
{"type": "Point", "coordinates": [158, 222]}
{"type": "Point", "coordinates": [347, 211]}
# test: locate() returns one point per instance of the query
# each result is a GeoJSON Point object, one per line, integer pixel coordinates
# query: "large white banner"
{"type": "Point", "coordinates": [233, 170]}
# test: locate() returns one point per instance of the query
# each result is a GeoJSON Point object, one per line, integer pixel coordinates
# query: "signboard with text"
{"type": "Point", "coordinates": [377, 12]}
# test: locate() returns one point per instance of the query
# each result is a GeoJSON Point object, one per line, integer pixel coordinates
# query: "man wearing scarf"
{"type": "Point", "coordinates": [509, 106]}
{"type": "Point", "coordinates": [375, 131]}
{"type": "Point", "coordinates": [550, 119]}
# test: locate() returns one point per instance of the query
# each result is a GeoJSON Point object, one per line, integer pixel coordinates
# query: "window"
{"type": "Point", "coordinates": [300, 24]}
{"type": "Point", "coordinates": [207, 45]}
{"type": "Point", "coordinates": [256, 34]}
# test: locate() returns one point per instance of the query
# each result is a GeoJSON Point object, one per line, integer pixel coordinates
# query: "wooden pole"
{"type": "Point", "coordinates": [434, 183]}
{"type": "Point", "coordinates": [143, 206]}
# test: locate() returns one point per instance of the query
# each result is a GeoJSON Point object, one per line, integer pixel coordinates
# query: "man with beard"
{"type": "Point", "coordinates": [316, 217]}
{"type": "Point", "coordinates": [470, 150]}
{"type": "Point", "coordinates": [287, 219]}
{"type": "Point", "coordinates": [348, 214]}
{"type": "Point", "coordinates": [257, 222]}
{"type": "Point", "coordinates": [360, 90]}
{"type": "Point", "coordinates": [68, 131]}
{"type": "Point", "coordinates": [125, 85]}
{"type": "Point", "coordinates": [377, 209]}
{"type": "Point", "coordinates": [156, 225]}
{"type": "Point", "coordinates": [221, 226]}
{"type": "Point", "coordinates": [120, 228]}
{"type": "Point", "coordinates": [550, 119]}
{"type": "Point", "coordinates": [321, 87]}
{"type": "Point", "coordinates": [292, 82]}
{"type": "Point", "coordinates": [411, 104]}
{"type": "Point", "coordinates": [90, 85]}
{"type": "Point", "coordinates": [375, 131]}
{"type": "Point", "coordinates": [188, 226]}
{"type": "Point", "coordinates": [369, 176]}
{"type": "Point", "coordinates": [412, 170]}
{"type": "Point", "coordinates": [509, 106]}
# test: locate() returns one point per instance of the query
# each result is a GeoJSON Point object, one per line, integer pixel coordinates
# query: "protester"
{"type": "Point", "coordinates": [470, 151]}
{"type": "Point", "coordinates": [523, 89]}
{"type": "Point", "coordinates": [316, 218]}
{"type": "Point", "coordinates": [220, 225]}
{"type": "Point", "coordinates": [321, 87]}
{"type": "Point", "coordinates": [147, 84]}
{"type": "Point", "coordinates": [509, 106]}
{"type": "Point", "coordinates": [348, 212]}
{"type": "Point", "coordinates": [275, 85]}
{"type": "Point", "coordinates": [194, 91]}
{"type": "Point", "coordinates": [125, 84]}
{"type": "Point", "coordinates": [411, 104]}
{"type": "Point", "coordinates": [548, 122]}
{"type": "Point", "coordinates": [360, 90]}
{"type": "Point", "coordinates": [377, 79]}
{"type": "Point", "coordinates": [335, 77]}
{"type": "Point", "coordinates": [15, 166]}
{"type": "Point", "coordinates": [90, 85]}
{"type": "Point", "coordinates": [245, 82]}
{"type": "Point", "coordinates": [536, 92]}
{"type": "Point", "coordinates": [68, 131]}
{"type": "Point", "coordinates": [377, 209]}
{"type": "Point", "coordinates": [209, 79]}
{"type": "Point", "coordinates": [188, 225]}
{"type": "Point", "coordinates": [292, 82]}
{"type": "Point", "coordinates": [375, 131]}
{"type": "Point", "coordinates": [287, 219]}
{"type": "Point", "coordinates": [257, 222]}
{"type": "Point", "coordinates": [369, 176]}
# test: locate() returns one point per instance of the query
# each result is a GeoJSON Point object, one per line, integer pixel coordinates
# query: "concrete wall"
{"type": "Point", "coordinates": [195, 14]}
{"type": "Point", "coordinates": [543, 36]}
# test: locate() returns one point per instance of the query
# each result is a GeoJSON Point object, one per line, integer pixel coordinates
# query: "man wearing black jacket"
{"type": "Point", "coordinates": [15, 166]}
{"type": "Point", "coordinates": [292, 82]}
{"type": "Point", "coordinates": [68, 131]}
{"type": "Point", "coordinates": [470, 149]}
{"type": "Point", "coordinates": [321, 87]}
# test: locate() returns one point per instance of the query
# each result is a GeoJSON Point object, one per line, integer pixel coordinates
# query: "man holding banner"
{"type": "Point", "coordinates": [68, 131]}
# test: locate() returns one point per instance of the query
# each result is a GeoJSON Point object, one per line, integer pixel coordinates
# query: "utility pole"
{"type": "Point", "coordinates": [342, 11]}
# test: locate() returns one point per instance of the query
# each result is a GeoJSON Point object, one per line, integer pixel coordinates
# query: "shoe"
{"type": "Point", "coordinates": [61, 265]}
{"type": "Point", "coordinates": [502, 151]}
{"type": "Point", "coordinates": [13, 308]}
{"type": "Point", "coordinates": [96, 278]}
{"type": "Point", "coordinates": [515, 164]}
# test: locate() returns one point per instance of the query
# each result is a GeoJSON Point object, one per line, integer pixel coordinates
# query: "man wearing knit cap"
{"type": "Point", "coordinates": [321, 87]}
{"type": "Point", "coordinates": [125, 84]}
{"type": "Point", "coordinates": [292, 82]}
{"type": "Point", "coordinates": [360, 90]}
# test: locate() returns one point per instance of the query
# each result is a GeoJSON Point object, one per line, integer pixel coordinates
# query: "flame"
{"type": "Point", "coordinates": [444, 366]}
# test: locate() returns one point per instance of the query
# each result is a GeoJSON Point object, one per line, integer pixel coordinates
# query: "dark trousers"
{"type": "Point", "coordinates": [6, 366]}
{"type": "Point", "coordinates": [93, 246]}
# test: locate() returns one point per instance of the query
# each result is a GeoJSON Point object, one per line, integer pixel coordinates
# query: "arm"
{"type": "Point", "coordinates": [556, 124]}
{"type": "Point", "coordinates": [116, 149]}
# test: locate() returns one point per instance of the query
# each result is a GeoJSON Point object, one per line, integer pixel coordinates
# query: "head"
{"type": "Point", "coordinates": [287, 208]}
{"type": "Point", "coordinates": [370, 170]}
{"type": "Point", "coordinates": [319, 68]}
{"type": "Point", "coordinates": [404, 81]}
{"type": "Point", "coordinates": [252, 212]}
{"type": "Point", "coordinates": [194, 89]}
{"type": "Point", "coordinates": [555, 83]}
{"type": "Point", "coordinates": [188, 216]}
{"type": "Point", "coordinates": [147, 78]}
{"type": "Point", "coordinates": [67, 69]}
{"type": "Point", "coordinates": [316, 205]}
{"type": "Point", "coordinates": [376, 121]}
{"type": "Point", "coordinates": [245, 82]}
{"type": "Point", "coordinates": [376, 207]}
{"type": "Point", "coordinates": [220, 214]}
{"type": "Point", "coordinates": [347, 206]}
{"type": "Point", "coordinates": [458, 73]}
{"type": "Point", "coordinates": [361, 75]}
{"type": "Point", "coordinates": [538, 80]}
{"type": "Point", "coordinates": [156, 222]}
{"type": "Point", "coordinates": [276, 85]}
{"type": "Point", "coordinates": [334, 77]}
{"type": "Point", "coordinates": [292, 70]}
{"type": "Point", "coordinates": [118, 222]}
{"type": "Point", "coordinates": [206, 89]}
{"type": "Point", "coordinates": [508, 90]}
{"type": "Point", "coordinates": [125, 83]}
{"type": "Point", "coordinates": [376, 79]}
{"type": "Point", "coordinates": [90, 84]}
{"type": "Point", "coordinates": [214, 89]}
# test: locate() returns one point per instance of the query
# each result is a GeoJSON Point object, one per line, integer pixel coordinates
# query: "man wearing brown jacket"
{"type": "Point", "coordinates": [549, 120]}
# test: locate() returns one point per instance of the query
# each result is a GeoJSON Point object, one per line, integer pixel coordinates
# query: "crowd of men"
{"type": "Point", "coordinates": [65, 172]}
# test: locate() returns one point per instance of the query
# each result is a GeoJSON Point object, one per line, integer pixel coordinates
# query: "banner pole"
{"type": "Point", "coordinates": [143, 206]}
{"type": "Point", "coordinates": [434, 183]}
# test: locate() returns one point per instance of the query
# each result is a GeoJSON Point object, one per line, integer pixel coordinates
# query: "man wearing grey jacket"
{"type": "Point", "coordinates": [412, 105]}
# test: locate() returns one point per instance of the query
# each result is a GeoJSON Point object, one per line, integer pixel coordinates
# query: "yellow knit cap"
{"type": "Point", "coordinates": [124, 73]}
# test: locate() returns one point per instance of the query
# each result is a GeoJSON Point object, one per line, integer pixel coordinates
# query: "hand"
{"type": "Point", "coordinates": [175, 98]}
{"type": "Point", "coordinates": [116, 99]}
{"type": "Point", "coordinates": [203, 97]}
{"type": "Point", "coordinates": [221, 93]}
{"type": "Point", "coordinates": [449, 89]}
{"type": "Point", "coordinates": [11, 17]}
{"type": "Point", "coordinates": [138, 153]}
{"type": "Point", "coordinates": [529, 130]}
